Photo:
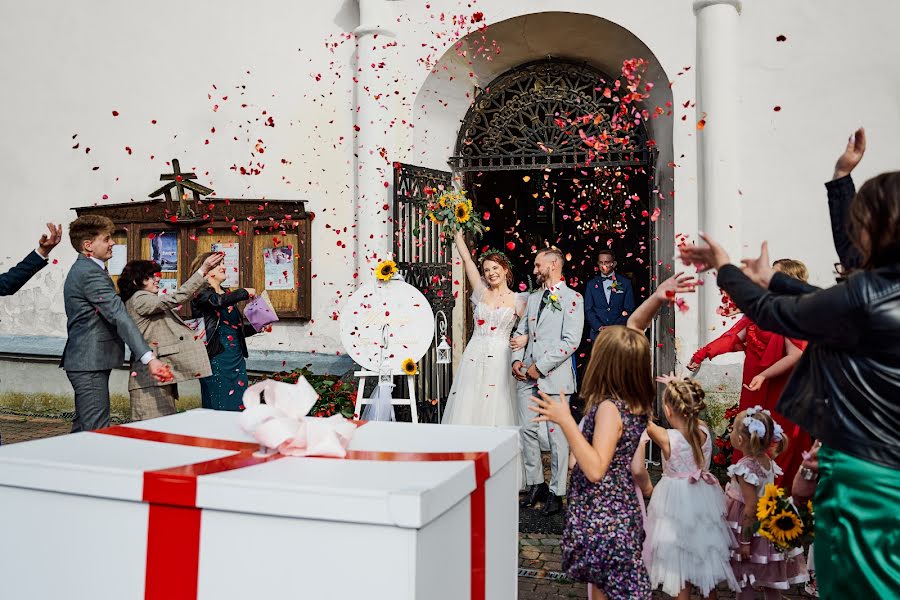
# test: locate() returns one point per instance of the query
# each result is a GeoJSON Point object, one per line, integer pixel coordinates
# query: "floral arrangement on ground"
{"type": "Point", "coordinates": [336, 396]}
{"type": "Point", "coordinates": [722, 448]}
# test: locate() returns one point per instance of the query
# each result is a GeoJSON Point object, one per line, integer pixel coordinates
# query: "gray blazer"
{"type": "Point", "coordinates": [553, 339]}
{"type": "Point", "coordinates": [97, 321]}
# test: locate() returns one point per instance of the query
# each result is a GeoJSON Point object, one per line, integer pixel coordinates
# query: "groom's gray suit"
{"type": "Point", "coordinates": [553, 337]}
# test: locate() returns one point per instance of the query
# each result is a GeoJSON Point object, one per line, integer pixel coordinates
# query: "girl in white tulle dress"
{"type": "Point", "coordinates": [690, 541]}
{"type": "Point", "coordinates": [483, 392]}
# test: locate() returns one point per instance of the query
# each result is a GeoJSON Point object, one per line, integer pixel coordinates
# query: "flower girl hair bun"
{"type": "Point", "coordinates": [686, 398]}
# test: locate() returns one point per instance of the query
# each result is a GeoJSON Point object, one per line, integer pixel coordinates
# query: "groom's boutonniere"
{"type": "Point", "coordinates": [615, 286]}
{"type": "Point", "coordinates": [553, 300]}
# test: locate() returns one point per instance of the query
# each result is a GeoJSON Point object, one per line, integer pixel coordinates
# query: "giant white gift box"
{"type": "Point", "coordinates": [74, 524]}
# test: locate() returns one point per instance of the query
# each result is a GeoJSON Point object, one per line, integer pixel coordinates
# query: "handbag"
{"type": "Point", "coordinates": [259, 312]}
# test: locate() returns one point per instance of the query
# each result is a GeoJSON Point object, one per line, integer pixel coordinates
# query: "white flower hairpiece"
{"type": "Point", "coordinates": [757, 409]}
{"type": "Point", "coordinates": [755, 426]}
{"type": "Point", "coordinates": [778, 433]}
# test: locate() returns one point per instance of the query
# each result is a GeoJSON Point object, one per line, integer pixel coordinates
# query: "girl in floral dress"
{"type": "Point", "coordinates": [604, 533]}
{"type": "Point", "coordinates": [759, 565]}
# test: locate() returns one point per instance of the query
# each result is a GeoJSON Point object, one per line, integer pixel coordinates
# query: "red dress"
{"type": "Point", "coordinates": [762, 349]}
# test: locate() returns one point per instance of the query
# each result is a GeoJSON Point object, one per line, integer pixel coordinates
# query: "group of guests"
{"type": "Point", "coordinates": [822, 364]}
{"type": "Point", "coordinates": [165, 349]}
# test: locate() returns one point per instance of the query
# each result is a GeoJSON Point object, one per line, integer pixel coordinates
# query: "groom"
{"type": "Point", "coordinates": [553, 322]}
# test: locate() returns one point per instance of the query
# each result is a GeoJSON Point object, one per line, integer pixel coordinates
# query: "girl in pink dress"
{"type": "Point", "coordinates": [759, 565]}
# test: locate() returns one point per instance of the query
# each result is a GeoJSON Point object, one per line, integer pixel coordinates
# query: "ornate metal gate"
{"type": "Point", "coordinates": [423, 257]}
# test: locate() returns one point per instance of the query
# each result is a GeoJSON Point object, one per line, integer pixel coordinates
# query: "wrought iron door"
{"type": "Point", "coordinates": [423, 257]}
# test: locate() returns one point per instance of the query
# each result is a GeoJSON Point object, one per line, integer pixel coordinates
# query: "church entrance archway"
{"type": "Point", "coordinates": [523, 155]}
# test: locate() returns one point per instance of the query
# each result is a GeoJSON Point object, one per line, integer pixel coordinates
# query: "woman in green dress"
{"type": "Point", "coordinates": [225, 339]}
{"type": "Point", "coordinates": [844, 390]}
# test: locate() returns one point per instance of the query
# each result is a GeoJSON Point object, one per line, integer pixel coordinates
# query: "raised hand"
{"type": "Point", "coordinates": [693, 366]}
{"type": "Point", "coordinates": [211, 262]}
{"type": "Point", "coordinates": [710, 256]}
{"type": "Point", "coordinates": [549, 409]}
{"type": "Point", "coordinates": [251, 291]}
{"type": "Point", "coordinates": [853, 153]}
{"type": "Point", "coordinates": [679, 283]}
{"type": "Point", "coordinates": [759, 269]}
{"type": "Point", "coordinates": [49, 242]}
{"type": "Point", "coordinates": [669, 378]}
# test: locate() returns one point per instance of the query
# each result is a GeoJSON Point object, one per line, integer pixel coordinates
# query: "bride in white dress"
{"type": "Point", "coordinates": [483, 391]}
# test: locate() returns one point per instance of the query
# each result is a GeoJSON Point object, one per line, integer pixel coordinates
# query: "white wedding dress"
{"type": "Point", "coordinates": [483, 391]}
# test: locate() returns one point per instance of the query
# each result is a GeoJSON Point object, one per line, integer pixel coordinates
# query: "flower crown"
{"type": "Point", "coordinates": [759, 427]}
{"type": "Point", "coordinates": [492, 252]}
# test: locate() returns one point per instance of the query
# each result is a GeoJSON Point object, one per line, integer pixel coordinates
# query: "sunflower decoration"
{"type": "Point", "coordinates": [410, 367]}
{"type": "Point", "coordinates": [765, 508]}
{"type": "Point", "coordinates": [385, 270]}
{"type": "Point", "coordinates": [785, 527]}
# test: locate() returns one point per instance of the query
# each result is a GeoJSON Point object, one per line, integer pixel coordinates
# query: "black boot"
{"type": "Point", "coordinates": [534, 494]}
{"type": "Point", "coordinates": [552, 506]}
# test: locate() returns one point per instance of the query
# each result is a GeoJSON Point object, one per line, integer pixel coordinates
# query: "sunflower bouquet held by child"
{"type": "Point", "coordinates": [759, 564]}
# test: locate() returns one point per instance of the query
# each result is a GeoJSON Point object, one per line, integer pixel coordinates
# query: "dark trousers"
{"type": "Point", "coordinates": [91, 399]}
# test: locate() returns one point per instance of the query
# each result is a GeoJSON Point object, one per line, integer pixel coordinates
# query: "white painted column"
{"type": "Point", "coordinates": [375, 106]}
{"type": "Point", "coordinates": [717, 67]}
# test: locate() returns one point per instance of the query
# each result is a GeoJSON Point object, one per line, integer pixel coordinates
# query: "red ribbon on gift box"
{"type": "Point", "coordinates": [173, 537]}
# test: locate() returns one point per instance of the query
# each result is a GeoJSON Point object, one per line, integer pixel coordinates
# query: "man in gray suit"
{"type": "Point", "coordinates": [553, 322]}
{"type": "Point", "coordinates": [97, 323]}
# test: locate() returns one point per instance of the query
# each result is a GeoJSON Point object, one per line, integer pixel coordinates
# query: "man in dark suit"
{"type": "Point", "coordinates": [13, 280]}
{"type": "Point", "coordinates": [97, 323]}
{"type": "Point", "coordinates": [608, 299]}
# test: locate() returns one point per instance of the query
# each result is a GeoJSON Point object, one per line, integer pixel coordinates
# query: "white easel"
{"type": "Point", "coordinates": [361, 400]}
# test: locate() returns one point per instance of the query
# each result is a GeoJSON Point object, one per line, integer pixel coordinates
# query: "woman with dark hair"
{"type": "Point", "coordinates": [844, 389]}
{"type": "Point", "coordinates": [174, 342]}
{"type": "Point", "coordinates": [225, 339]}
{"type": "Point", "coordinates": [483, 392]}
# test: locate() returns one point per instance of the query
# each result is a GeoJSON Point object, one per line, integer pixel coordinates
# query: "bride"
{"type": "Point", "coordinates": [483, 392]}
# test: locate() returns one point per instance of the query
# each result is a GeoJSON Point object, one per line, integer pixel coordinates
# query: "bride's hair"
{"type": "Point", "coordinates": [499, 258]}
{"type": "Point", "coordinates": [620, 368]}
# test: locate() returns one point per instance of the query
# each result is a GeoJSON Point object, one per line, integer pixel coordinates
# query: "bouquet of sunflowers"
{"type": "Point", "coordinates": [452, 210]}
{"type": "Point", "coordinates": [781, 522]}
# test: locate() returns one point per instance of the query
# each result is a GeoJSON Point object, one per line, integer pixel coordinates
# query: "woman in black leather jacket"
{"type": "Point", "coordinates": [845, 390]}
{"type": "Point", "coordinates": [225, 344]}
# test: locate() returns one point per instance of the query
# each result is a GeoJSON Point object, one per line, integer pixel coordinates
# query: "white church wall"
{"type": "Point", "coordinates": [67, 66]}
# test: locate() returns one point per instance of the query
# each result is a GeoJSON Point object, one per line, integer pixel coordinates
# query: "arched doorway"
{"type": "Point", "coordinates": [522, 153]}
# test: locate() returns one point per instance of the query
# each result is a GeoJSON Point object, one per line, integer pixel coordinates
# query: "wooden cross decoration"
{"type": "Point", "coordinates": [180, 181]}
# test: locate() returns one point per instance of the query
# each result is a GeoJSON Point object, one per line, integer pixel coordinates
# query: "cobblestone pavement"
{"type": "Point", "coordinates": [540, 557]}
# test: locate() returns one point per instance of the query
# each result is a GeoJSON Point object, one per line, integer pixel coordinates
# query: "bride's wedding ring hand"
{"type": "Point", "coordinates": [549, 409]}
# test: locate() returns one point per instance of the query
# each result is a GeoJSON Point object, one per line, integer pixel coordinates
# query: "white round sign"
{"type": "Point", "coordinates": [394, 311]}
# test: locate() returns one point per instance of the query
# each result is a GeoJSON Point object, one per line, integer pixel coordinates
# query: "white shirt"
{"type": "Point", "coordinates": [607, 286]}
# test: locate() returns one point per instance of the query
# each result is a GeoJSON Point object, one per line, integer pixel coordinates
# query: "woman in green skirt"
{"type": "Point", "coordinates": [845, 388]}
